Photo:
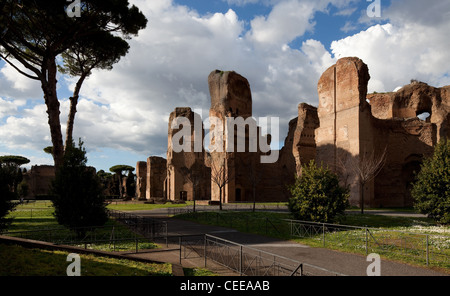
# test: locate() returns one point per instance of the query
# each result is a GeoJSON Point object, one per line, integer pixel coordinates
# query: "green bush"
{"type": "Point", "coordinates": [431, 189]}
{"type": "Point", "coordinates": [317, 195]}
{"type": "Point", "coordinates": [6, 195]}
{"type": "Point", "coordinates": [77, 191]}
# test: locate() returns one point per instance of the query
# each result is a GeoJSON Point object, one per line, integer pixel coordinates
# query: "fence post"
{"type": "Point", "coordinates": [367, 251]}
{"type": "Point", "coordinates": [428, 254]}
{"type": "Point", "coordinates": [136, 241]}
{"type": "Point", "coordinates": [323, 233]}
{"type": "Point", "coordinates": [167, 235]}
{"type": "Point", "coordinates": [240, 260]}
{"type": "Point", "coordinates": [274, 266]}
{"type": "Point", "coordinates": [205, 244]}
{"type": "Point", "coordinates": [114, 239]}
{"type": "Point", "coordinates": [247, 218]}
{"type": "Point", "coordinates": [179, 242]}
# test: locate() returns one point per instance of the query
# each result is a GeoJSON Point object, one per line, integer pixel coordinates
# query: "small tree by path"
{"type": "Point", "coordinates": [317, 195]}
{"type": "Point", "coordinates": [366, 167]}
{"type": "Point", "coordinates": [221, 177]}
{"type": "Point", "coordinates": [6, 195]}
{"type": "Point", "coordinates": [254, 176]}
{"type": "Point", "coordinates": [431, 189]}
{"type": "Point", "coordinates": [78, 194]}
{"type": "Point", "coordinates": [194, 175]}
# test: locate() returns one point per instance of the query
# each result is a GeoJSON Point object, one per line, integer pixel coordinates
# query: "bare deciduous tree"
{"type": "Point", "coordinates": [254, 176]}
{"type": "Point", "coordinates": [220, 176]}
{"type": "Point", "coordinates": [366, 167]}
{"type": "Point", "coordinates": [194, 175]}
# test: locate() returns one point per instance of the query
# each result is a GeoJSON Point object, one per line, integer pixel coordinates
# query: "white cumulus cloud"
{"type": "Point", "coordinates": [127, 108]}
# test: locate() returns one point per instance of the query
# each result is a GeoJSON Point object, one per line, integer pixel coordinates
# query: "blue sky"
{"type": "Point", "coordinates": [280, 46]}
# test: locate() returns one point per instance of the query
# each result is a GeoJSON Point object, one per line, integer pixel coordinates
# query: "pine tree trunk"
{"type": "Point", "coordinates": [71, 119]}
{"type": "Point", "coordinates": [52, 103]}
{"type": "Point", "coordinates": [73, 109]}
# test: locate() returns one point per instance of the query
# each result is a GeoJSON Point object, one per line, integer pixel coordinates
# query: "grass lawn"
{"type": "Point", "coordinates": [20, 261]}
{"type": "Point", "coordinates": [132, 206]}
{"type": "Point", "coordinates": [39, 214]}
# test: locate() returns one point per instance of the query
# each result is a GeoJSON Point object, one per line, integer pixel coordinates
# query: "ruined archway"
{"type": "Point", "coordinates": [410, 169]}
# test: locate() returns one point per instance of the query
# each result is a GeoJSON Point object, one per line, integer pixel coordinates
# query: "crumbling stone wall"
{"type": "Point", "coordinates": [344, 130]}
{"type": "Point", "coordinates": [407, 142]}
{"type": "Point", "coordinates": [155, 175]}
{"type": "Point", "coordinates": [186, 168]}
{"type": "Point", "coordinates": [346, 127]}
{"type": "Point", "coordinates": [39, 180]}
{"type": "Point", "coordinates": [141, 179]}
{"type": "Point", "coordinates": [351, 128]}
{"type": "Point", "coordinates": [230, 97]}
{"type": "Point", "coordinates": [408, 137]}
{"type": "Point", "coordinates": [412, 100]}
{"type": "Point", "coordinates": [304, 140]}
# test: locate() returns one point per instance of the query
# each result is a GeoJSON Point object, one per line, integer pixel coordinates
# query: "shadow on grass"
{"type": "Point", "coordinates": [20, 261]}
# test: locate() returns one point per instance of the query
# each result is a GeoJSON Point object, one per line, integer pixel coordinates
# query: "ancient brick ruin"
{"type": "Point", "coordinates": [347, 128]}
{"type": "Point", "coordinates": [39, 179]}
{"type": "Point", "coordinates": [354, 125]}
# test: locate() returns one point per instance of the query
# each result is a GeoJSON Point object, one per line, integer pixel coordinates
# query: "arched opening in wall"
{"type": "Point", "coordinates": [183, 195]}
{"type": "Point", "coordinates": [238, 193]}
{"type": "Point", "coordinates": [424, 115]}
{"type": "Point", "coordinates": [410, 169]}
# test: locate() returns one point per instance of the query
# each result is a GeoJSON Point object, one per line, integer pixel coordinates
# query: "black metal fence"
{"type": "Point", "coordinates": [131, 233]}
{"type": "Point", "coordinates": [146, 226]}
{"type": "Point", "coordinates": [245, 260]}
{"type": "Point", "coordinates": [242, 207]}
{"type": "Point", "coordinates": [419, 247]}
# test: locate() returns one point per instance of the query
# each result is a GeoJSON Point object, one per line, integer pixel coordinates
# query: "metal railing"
{"type": "Point", "coordinates": [244, 222]}
{"type": "Point", "coordinates": [245, 260]}
{"type": "Point", "coordinates": [422, 248]}
{"type": "Point", "coordinates": [146, 226]}
{"type": "Point", "coordinates": [249, 261]}
{"type": "Point", "coordinates": [30, 213]}
{"type": "Point", "coordinates": [425, 248]}
{"type": "Point", "coordinates": [132, 232]}
{"type": "Point", "coordinates": [227, 207]}
{"type": "Point", "coordinates": [111, 237]}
